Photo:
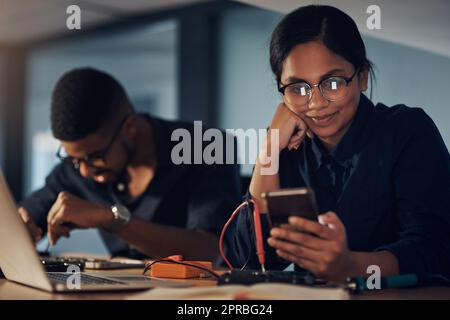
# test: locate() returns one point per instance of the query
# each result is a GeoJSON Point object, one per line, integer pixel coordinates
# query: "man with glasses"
{"type": "Point", "coordinates": [116, 175]}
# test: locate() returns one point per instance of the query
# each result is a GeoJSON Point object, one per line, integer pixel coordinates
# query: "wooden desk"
{"type": "Point", "coordinates": [13, 291]}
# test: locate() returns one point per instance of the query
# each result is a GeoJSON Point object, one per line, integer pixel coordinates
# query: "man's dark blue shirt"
{"type": "Point", "coordinates": [188, 196]}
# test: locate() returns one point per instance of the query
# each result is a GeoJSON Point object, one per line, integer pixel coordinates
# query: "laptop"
{"type": "Point", "coordinates": [19, 260]}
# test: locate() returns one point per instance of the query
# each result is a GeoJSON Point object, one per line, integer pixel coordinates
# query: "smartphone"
{"type": "Point", "coordinates": [284, 203]}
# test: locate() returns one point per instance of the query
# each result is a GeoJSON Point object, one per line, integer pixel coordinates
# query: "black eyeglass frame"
{"type": "Point", "coordinates": [96, 156]}
{"type": "Point", "coordinates": [346, 79]}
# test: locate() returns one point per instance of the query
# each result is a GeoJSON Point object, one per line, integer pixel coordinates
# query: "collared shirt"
{"type": "Point", "coordinates": [388, 180]}
{"type": "Point", "coordinates": [329, 173]}
{"type": "Point", "coordinates": [190, 196]}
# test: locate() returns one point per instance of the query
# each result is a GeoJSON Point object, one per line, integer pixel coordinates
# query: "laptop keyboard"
{"type": "Point", "coordinates": [85, 279]}
{"type": "Point", "coordinates": [60, 264]}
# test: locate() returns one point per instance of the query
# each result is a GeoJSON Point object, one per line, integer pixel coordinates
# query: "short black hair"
{"type": "Point", "coordinates": [333, 27]}
{"type": "Point", "coordinates": [83, 101]}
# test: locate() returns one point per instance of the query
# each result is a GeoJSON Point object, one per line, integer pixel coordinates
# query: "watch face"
{"type": "Point", "coordinates": [122, 213]}
{"type": "Point", "coordinates": [121, 218]}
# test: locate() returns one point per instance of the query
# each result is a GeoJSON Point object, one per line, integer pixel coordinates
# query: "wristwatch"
{"type": "Point", "coordinates": [121, 217]}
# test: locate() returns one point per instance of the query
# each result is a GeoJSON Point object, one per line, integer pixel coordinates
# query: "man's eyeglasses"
{"type": "Point", "coordinates": [95, 158]}
{"type": "Point", "coordinates": [300, 93]}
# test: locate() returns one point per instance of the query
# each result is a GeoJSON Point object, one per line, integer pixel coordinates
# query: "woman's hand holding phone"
{"type": "Point", "coordinates": [321, 247]}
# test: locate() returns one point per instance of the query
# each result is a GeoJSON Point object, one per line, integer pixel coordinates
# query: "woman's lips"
{"type": "Point", "coordinates": [323, 120]}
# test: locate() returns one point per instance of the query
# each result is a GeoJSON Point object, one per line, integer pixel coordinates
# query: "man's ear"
{"type": "Point", "coordinates": [363, 78]}
{"type": "Point", "coordinates": [130, 126]}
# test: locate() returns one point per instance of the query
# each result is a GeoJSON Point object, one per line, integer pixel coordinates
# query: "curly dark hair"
{"type": "Point", "coordinates": [83, 101]}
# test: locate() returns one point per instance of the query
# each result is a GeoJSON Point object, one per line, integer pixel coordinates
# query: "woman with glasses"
{"type": "Point", "coordinates": [381, 175]}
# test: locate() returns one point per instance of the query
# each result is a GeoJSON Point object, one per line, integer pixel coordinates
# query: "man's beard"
{"type": "Point", "coordinates": [120, 175]}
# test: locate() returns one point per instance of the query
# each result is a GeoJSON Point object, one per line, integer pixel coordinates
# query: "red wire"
{"type": "Point", "coordinates": [258, 232]}
{"type": "Point", "coordinates": [225, 227]}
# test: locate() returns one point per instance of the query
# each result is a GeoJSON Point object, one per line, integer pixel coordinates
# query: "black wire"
{"type": "Point", "coordinates": [252, 242]}
{"type": "Point", "coordinates": [247, 261]}
{"type": "Point", "coordinates": [214, 274]}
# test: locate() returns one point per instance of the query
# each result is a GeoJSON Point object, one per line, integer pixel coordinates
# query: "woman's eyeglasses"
{"type": "Point", "coordinates": [300, 93]}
